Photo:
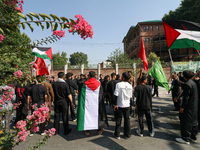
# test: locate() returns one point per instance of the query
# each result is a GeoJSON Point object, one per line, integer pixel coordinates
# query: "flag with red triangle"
{"type": "Point", "coordinates": [182, 34]}
{"type": "Point", "coordinates": [91, 114]}
{"type": "Point", "coordinates": [142, 55]}
{"type": "Point", "coordinates": [40, 67]}
{"type": "Point", "coordinates": [42, 52]}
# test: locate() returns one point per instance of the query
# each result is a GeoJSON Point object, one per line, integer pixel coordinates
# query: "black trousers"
{"type": "Point", "coordinates": [187, 131]}
{"type": "Point", "coordinates": [41, 125]}
{"type": "Point", "coordinates": [150, 125]}
{"type": "Point", "coordinates": [61, 107]}
{"type": "Point", "coordinates": [127, 130]}
{"type": "Point", "coordinates": [155, 92]}
{"type": "Point", "coordinates": [72, 111]}
{"type": "Point", "coordinates": [199, 116]}
{"type": "Point", "coordinates": [131, 105]}
{"type": "Point", "coordinates": [19, 114]}
{"type": "Point", "coordinates": [176, 104]}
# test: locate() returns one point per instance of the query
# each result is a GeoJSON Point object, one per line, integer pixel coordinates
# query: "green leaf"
{"type": "Point", "coordinates": [54, 18]}
{"type": "Point", "coordinates": [29, 17]}
{"type": "Point", "coordinates": [52, 26]}
{"type": "Point", "coordinates": [42, 26]}
{"type": "Point", "coordinates": [35, 15]}
{"type": "Point", "coordinates": [72, 21]}
{"type": "Point", "coordinates": [23, 26]}
{"type": "Point", "coordinates": [57, 17]}
{"type": "Point", "coordinates": [64, 19]}
{"type": "Point", "coordinates": [22, 15]}
{"type": "Point", "coordinates": [47, 24]}
{"type": "Point", "coordinates": [45, 16]}
{"type": "Point", "coordinates": [56, 26]}
{"type": "Point", "coordinates": [1, 30]}
{"type": "Point", "coordinates": [62, 26]}
{"type": "Point", "coordinates": [37, 23]}
{"type": "Point", "coordinates": [30, 26]}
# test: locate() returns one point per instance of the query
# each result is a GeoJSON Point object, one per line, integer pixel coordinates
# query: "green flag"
{"type": "Point", "coordinates": [157, 73]}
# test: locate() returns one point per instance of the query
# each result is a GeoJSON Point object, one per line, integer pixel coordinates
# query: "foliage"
{"type": "Point", "coordinates": [188, 10]}
{"type": "Point", "coordinates": [197, 58]}
{"type": "Point", "coordinates": [120, 57]}
{"type": "Point", "coordinates": [152, 57]}
{"type": "Point", "coordinates": [78, 58]}
{"type": "Point", "coordinates": [59, 59]}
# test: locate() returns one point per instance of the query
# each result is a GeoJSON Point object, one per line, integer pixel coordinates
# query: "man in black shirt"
{"type": "Point", "coordinates": [101, 78]}
{"type": "Point", "coordinates": [80, 82]}
{"type": "Point", "coordinates": [62, 97]}
{"type": "Point", "coordinates": [73, 87]}
{"type": "Point", "coordinates": [111, 89]}
{"type": "Point", "coordinates": [155, 88]}
{"type": "Point", "coordinates": [38, 94]}
{"type": "Point", "coordinates": [105, 92]}
{"type": "Point", "coordinates": [176, 90]}
{"type": "Point", "coordinates": [188, 110]}
{"type": "Point", "coordinates": [144, 105]}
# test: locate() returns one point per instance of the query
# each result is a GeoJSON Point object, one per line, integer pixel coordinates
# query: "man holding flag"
{"type": "Point", "coordinates": [91, 113]}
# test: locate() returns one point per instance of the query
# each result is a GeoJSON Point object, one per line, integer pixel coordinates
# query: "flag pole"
{"type": "Point", "coordinates": [171, 59]}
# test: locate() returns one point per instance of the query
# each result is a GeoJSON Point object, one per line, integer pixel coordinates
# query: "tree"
{"type": "Point", "coordinates": [120, 57]}
{"type": "Point", "coordinates": [78, 58]}
{"type": "Point", "coordinates": [152, 57]}
{"type": "Point", "coordinates": [188, 10]}
{"type": "Point", "coordinates": [59, 59]}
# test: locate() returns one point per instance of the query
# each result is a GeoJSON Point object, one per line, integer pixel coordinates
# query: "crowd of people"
{"type": "Point", "coordinates": [121, 94]}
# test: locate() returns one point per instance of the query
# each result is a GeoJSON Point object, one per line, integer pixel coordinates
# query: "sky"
{"type": "Point", "coordinates": [110, 20]}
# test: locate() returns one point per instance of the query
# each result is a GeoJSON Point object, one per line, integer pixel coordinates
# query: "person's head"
{"type": "Point", "coordinates": [107, 78]}
{"type": "Point", "coordinates": [117, 77]}
{"type": "Point", "coordinates": [81, 76]}
{"type": "Point", "coordinates": [143, 80]}
{"type": "Point", "coordinates": [101, 76]}
{"type": "Point", "coordinates": [180, 74]}
{"type": "Point", "coordinates": [61, 75]}
{"type": "Point", "coordinates": [91, 74]}
{"type": "Point", "coordinates": [197, 74]}
{"type": "Point", "coordinates": [53, 77]}
{"type": "Point", "coordinates": [125, 76]}
{"type": "Point", "coordinates": [188, 74]}
{"type": "Point", "coordinates": [113, 76]}
{"type": "Point", "coordinates": [174, 76]}
{"type": "Point", "coordinates": [130, 73]}
{"type": "Point", "coordinates": [69, 75]}
{"type": "Point", "coordinates": [39, 78]}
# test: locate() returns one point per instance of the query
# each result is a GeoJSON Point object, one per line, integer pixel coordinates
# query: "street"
{"type": "Point", "coordinates": [166, 124]}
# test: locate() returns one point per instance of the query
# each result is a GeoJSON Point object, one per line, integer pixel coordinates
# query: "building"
{"type": "Point", "coordinates": [154, 41]}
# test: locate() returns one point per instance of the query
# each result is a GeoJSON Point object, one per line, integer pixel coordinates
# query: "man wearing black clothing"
{"type": "Point", "coordinates": [101, 78]}
{"type": "Point", "coordinates": [111, 89]}
{"type": "Point", "coordinates": [105, 92]}
{"type": "Point", "coordinates": [80, 82]}
{"type": "Point", "coordinates": [72, 87]}
{"type": "Point", "coordinates": [176, 90]}
{"type": "Point", "coordinates": [155, 88]}
{"type": "Point", "coordinates": [38, 94]}
{"type": "Point", "coordinates": [188, 111]}
{"type": "Point", "coordinates": [144, 105]}
{"type": "Point", "coordinates": [62, 97]}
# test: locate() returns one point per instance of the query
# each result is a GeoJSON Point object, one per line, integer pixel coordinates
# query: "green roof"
{"type": "Point", "coordinates": [151, 21]}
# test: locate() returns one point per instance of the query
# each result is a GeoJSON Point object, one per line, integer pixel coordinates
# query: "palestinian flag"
{"type": "Point", "coordinates": [91, 112]}
{"type": "Point", "coordinates": [182, 34]}
{"type": "Point", "coordinates": [42, 52]}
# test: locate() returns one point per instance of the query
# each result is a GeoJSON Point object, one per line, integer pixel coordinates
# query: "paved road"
{"type": "Point", "coordinates": [166, 124]}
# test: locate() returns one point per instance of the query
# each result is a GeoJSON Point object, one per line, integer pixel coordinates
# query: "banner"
{"type": "Point", "coordinates": [181, 66]}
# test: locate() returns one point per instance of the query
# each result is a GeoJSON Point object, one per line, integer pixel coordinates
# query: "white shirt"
{"type": "Point", "coordinates": [124, 92]}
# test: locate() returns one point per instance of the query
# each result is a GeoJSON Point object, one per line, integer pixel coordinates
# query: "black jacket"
{"type": "Point", "coordinates": [72, 86]}
{"type": "Point", "coordinates": [190, 102]}
{"type": "Point", "coordinates": [143, 97]}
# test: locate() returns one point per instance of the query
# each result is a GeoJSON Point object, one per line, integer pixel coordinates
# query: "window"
{"type": "Point", "coordinates": [144, 28]}
{"type": "Point", "coordinates": [134, 35]}
{"type": "Point", "coordinates": [147, 40]}
{"type": "Point", "coordinates": [147, 28]}
{"type": "Point", "coordinates": [144, 40]}
{"type": "Point", "coordinates": [157, 28]}
{"type": "Point", "coordinates": [151, 40]}
{"type": "Point", "coordinates": [151, 27]}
